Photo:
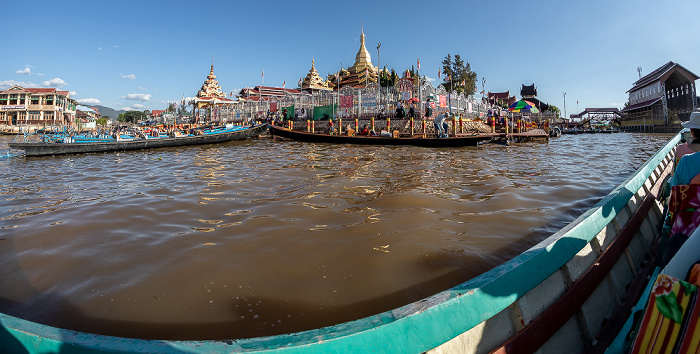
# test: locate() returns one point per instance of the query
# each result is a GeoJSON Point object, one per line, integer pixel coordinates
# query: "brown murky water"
{"type": "Point", "coordinates": [259, 237]}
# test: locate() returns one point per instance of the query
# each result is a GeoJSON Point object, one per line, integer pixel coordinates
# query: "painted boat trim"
{"type": "Point", "coordinates": [44, 149]}
{"type": "Point", "coordinates": [414, 328]}
{"type": "Point", "coordinates": [453, 141]}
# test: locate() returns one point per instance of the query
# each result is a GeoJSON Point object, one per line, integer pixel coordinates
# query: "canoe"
{"type": "Point", "coordinates": [78, 146]}
{"type": "Point", "coordinates": [564, 295]}
{"type": "Point", "coordinates": [418, 140]}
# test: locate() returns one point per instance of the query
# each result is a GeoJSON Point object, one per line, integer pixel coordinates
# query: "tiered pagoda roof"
{"type": "Point", "coordinates": [314, 81]}
{"type": "Point", "coordinates": [362, 72]}
{"type": "Point", "coordinates": [211, 89]}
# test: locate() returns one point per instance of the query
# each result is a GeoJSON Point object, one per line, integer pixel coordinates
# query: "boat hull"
{"type": "Point", "coordinates": [43, 149]}
{"type": "Point", "coordinates": [472, 140]}
{"type": "Point", "coordinates": [553, 298]}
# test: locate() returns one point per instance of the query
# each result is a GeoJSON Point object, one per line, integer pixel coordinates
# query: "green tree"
{"type": "Point", "coordinates": [387, 78]}
{"type": "Point", "coordinates": [102, 121]}
{"type": "Point", "coordinates": [456, 72]}
{"type": "Point", "coordinates": [554, 109]}
{"type": "Point", "coordinates": [132, 116]}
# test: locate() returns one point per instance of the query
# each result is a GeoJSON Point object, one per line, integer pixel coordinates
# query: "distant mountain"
{"type": "Point", "coordinates": [109, 112]}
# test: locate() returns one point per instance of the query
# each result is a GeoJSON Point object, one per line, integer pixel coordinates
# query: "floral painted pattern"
{"type": "Point", "coordinates": [671, 320]}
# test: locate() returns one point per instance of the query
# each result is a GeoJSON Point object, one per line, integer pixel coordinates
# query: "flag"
{"type": "Point", "coordinates": [284, 83]}
{"type": "Point", "coordinates": [448, 78]}
{"type": "Point", "coordinates": [263, 73]}
{"type": "Point", "coordinates": [419, 64]}
{"type": "Point", "coordinates": [438, 74]}
{"type": "Point", "coordinates": [299, 82]}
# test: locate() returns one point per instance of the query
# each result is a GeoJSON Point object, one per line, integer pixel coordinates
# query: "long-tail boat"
{"type": "Point", "coordinates": [77, 145]}
{"type": "Point", "coordinates": [418, 140]}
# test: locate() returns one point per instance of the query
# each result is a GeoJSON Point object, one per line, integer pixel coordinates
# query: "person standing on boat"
{"type": "Point", "coordinates": [440, 126]}
{"type": "Point", "coordinates": [428, 109]}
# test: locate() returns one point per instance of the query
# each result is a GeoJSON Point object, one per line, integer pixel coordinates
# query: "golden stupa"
{"type": "Point", "coordinates": [361, 73]}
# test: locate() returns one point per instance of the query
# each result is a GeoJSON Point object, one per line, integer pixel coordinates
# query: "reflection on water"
{"type": "Point", "coordinates": [257, 237]}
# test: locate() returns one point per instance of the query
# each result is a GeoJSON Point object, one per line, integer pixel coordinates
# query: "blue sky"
{"type": "Point", "coordinates": [143, 54]}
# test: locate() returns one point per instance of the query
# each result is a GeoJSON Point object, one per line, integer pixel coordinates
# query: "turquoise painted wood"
{"type": "Point", "coordinates": [413, 328]}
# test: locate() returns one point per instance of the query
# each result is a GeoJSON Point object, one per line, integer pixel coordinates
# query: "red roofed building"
{"type": "Point", "coordinates": [36, 106]}
{"type": "Point", "coordinates": [258, 93]}
{"type": "Point", "coordinates": [505, 97]}
{"type": "Point", "coordinates": [157, 113]}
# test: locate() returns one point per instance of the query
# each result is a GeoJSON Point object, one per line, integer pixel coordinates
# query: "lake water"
{"type": "Point", "coordinates": [262, 237]}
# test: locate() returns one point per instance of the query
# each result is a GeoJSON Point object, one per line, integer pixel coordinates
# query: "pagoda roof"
{"type": "Point", "coordinates": [530, 90]}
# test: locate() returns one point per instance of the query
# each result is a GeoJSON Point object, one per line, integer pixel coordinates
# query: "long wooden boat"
{"type": "Point", "coordinates": [418, 140]}
{"type": "Point", "coordinates": [566, 294]}
{"type": "Point", "coordinates": [211, 137]}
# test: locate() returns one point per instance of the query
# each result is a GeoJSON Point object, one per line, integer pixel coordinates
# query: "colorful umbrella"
{"type": "Point", "coordinates": [523, 106]}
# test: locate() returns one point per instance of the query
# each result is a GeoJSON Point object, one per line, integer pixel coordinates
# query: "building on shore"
{"type": "Point", "coordinates": [495, 97]}
{"type": "Point", "coordinates": [265, 93]}
{"type": "Point", "coordinates": [36, 106]}
{"type": "Point", "coordinates": [660, 100]}
{"type": "Point", "coordinates": [210, 101]}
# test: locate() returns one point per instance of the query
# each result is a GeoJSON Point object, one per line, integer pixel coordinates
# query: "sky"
{"type": "Point", "coordinates": [141, 55]}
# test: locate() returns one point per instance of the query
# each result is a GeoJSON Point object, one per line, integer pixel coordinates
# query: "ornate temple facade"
{"type": "Point", "coordinates": [313, 81]}
{"type": "Point", "coordinates": [210, 93]}
{"type": "Point", "coordinates": [359, 74]}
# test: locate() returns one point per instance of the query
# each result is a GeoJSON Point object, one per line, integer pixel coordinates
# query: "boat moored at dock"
{"type": "Point", "coordinates": [79, 145]}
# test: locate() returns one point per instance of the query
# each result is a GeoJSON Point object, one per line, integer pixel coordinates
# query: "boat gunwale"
{"type": "Point", "coordinates": [428, 323]}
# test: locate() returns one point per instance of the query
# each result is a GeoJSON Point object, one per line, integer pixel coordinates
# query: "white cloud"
{"type": "Point", "coordinates": [136, 107]}
{"type": "Point", "coordinates": [429, 79]}
{"type": "Point", "coordinates": [142, 88]}
{"type": "Point", "coordinates": [54, 82]}
{"type": "Point", "coordinates": [25, 71]}
{"type": "Point", "coordinates": [130, 76]}
{"type": "Point", "coordinates": [99, 48]}
{"type": "Point", "coordinates": [4, 85]}
{"type": "Point", "coordinates": [89, 101]}
{"type": "Point", "coordinates": [73, 93]}
{"type": "Point", "coordinates": [137, 97]}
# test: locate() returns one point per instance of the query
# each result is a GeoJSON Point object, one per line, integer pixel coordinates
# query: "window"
{"type": "Point", "coordinates": [48, 115]}
{"type": "Point", "coordinates": [34, 100]}
{"type": "Point", "coordinates": [33, 115]}
{"type": "Point", "coordinates": [49, 99]}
